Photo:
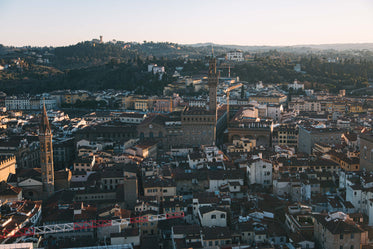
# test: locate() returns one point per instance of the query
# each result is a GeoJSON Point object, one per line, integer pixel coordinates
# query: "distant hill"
{"type": "Point", "coordinates": [295, 48]}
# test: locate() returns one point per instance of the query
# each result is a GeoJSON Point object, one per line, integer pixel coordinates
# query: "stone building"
{"type": "Point", "coordinates": [193, 126]}
{"type": "Point", "coordinates": [308, 136]}
{"type": "Point", "coordinates": [199, 124]}
{"type": "Point", "coordinates": [252, 128]}
{"type": "Point", "coordinates": [7, 166]}
{"type": "Point", "coordinates": [366, 151]}
{"type": "Point", "coordinates": [338, 230]}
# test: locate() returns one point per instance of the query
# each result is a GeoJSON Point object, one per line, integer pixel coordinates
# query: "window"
{"type": "Point", "coordinates": [341, 236]}
{"type": "Point", "coordinates": [222, 216]}
{"type": "Point", "coordinates": [352, 235]}
{"type": "Point", "coordinates": [210, 243]}
{"type": "Point", "coordinates": [213, 216]}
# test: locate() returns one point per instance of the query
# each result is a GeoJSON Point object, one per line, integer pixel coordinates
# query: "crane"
{"type": "Point", "coordinates": [74, 226]}
{"type": "Point", "coordinates": [227, 91]}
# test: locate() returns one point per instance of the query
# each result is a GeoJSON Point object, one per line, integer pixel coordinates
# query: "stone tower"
{"type": "Point", "coordinates": [212, 83]}
{"type": "Point", "coordinates": [46, 154]}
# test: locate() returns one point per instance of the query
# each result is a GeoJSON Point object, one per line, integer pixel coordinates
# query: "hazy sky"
{"type": "Point", "coordinates": [244, 22]}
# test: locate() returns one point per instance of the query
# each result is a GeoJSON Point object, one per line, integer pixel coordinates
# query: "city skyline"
{"type": "Point", "coordinates": [273, 23]}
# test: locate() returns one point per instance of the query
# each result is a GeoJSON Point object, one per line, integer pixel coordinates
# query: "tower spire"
{"type": "Point", "coordinates": [46, 154]}
{"type": "Point", "coordinates": [44, 124]}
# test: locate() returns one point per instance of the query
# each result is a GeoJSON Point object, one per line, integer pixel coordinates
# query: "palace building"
{"type": "Point", "coordinates": [194, 126]}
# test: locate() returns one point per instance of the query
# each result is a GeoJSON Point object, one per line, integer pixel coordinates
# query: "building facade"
{"type": "Point", "coordinates": [366, 151]}
{"type": "Point", "coordinates": [308, 136]}
{"type": "Point", "coordinates": [199, 124]}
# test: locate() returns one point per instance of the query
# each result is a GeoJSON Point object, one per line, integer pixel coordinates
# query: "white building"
{"type": "Point", "coordinates": [154, 68]}
{"type": "Point", "coordinates": [212, 216]}
{"type": "Point", "coordinates": [213, 154]}
{"type": "Point", "coordinates": [132, 117]}
{"type": "Point", "coordinates": [235, 55]}
{"type": "Point", "coordinates": [259, 171]}
{"type": "Point", "coordinates": [296, 86]}
{"type": "Point", "coordinates": [259, 85]}
{"type": "Point", "coordinates": [27, 103]}
{"type": "Point", "coordinates": [274, 111]}
{"type": "Point", "coordinates": [305, 105]}
{"type": "Point", "coordinates": [14, 103]}
{"type": "Point", "coordinates": [361, 197]}
{"type": "Point", "coordinates": [218, 179]}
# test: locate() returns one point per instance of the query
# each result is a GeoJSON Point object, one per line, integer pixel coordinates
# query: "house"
{"type": "Point", "coordinates": [159, 187]}
{"type": "Point", "coordinates": [216, 236]}
{"type": "Point", "coordinates": [299, 219]}
{"type": "Point", "coordinates": [84, 163]}
{"type": "Point", "coordinates": [9, 193]}
{"type": "Point", "coordinates": [212, 216]}
{"type": "Point", "coordinates": [186, 236]}
{"type": "Point", "coordinates": [126, 236]}
{"type": "Point", "coordinates": [218, 178]}
{"type": "Point", "coordinates": [146, 205]}
{"type": "Point", "coordinates": [259, 171]}
{"type": "Point", "coordinates": [338, 230]}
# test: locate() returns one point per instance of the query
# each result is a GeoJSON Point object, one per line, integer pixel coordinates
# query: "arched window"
{"type": "Point", "coordinates": [160, 134]}
{"type": "Point", "coordinates": [151, 135]}
{"type": "Point", "coordinates": [142, 135]}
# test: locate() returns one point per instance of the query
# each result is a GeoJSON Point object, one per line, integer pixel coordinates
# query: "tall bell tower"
{"type": "Point", "coordinates": [212, 84]}
{"type": "Point", "coordinates": [46, 154]}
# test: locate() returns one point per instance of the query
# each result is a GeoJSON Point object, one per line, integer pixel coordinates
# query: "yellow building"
{"type": "Point", "coordinates": [288, 136]}
{"type": "Point", "coordinates": [346, 163]}
{"type": "Point", "coordinates": [72, 97]}
{"type": "Point", "coordinates": [137, 102]}
{"type": "Point", "coordinates": [356, 108]}
{"type": "Point", "coordinates": [141, 104]}
{"type": "Point", "coordinates": [268, 99]}
{"type": "Point", "coordinates": [7, 166]}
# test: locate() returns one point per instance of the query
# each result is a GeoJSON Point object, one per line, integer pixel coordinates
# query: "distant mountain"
{"type": "Point", "coordinates": [341, 46]}
{"type": "Point", "coordinates": [295, 48]}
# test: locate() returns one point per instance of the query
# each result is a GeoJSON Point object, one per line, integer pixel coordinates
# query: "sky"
{"type": "Point", "coordinates": [240, 22]}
